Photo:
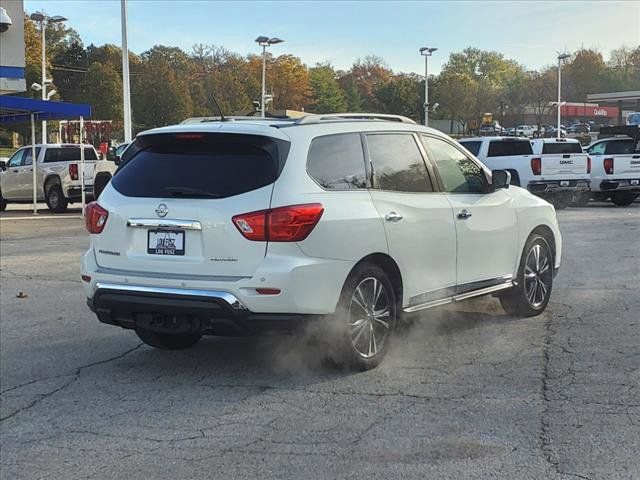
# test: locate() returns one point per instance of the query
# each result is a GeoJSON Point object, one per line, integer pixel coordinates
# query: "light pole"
{"type": "Point", "coordinates": [561, 57]}
{"type": "Point", "coordinates": [43, 19]}
{"type": "Point", "coordinates": [426, 52]}
{"type": "Point", "coordinates": [265, 42]}
{"type": "Point", "coordinates": [126, 91]}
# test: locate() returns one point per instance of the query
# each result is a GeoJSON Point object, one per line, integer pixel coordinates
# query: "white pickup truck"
{"type": "Point", "coordinates": [57, 175]}
{"type": "Point", "coordinates": [548, 175]}
{"type": "Point", "coordinates": [616, 169]}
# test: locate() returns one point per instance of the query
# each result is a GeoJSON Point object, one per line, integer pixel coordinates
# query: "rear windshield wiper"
{"type": "Point", "coordinates": [190, 192]}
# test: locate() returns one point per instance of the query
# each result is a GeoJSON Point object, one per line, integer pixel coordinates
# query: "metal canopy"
{"type": "Point", "coordinates": [20, 109]}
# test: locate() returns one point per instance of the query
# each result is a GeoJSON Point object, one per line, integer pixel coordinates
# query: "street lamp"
{"type": "Point", "coordinates": [426, 52]}
{"type": "Point", "coordinates": [561, 57]}
{"type": "Point", "coordinates": [43, 19]}
{"type": "Point", "coordinates": [265, 42]}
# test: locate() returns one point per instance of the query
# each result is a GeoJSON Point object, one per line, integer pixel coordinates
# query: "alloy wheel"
{"type": "Point", "coordinates": [537, 275]}
{"type": "Point", "coordinates": [370, 317]}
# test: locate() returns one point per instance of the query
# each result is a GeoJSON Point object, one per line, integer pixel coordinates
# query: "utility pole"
{"type": "Point", "coordinates": [126, 91]}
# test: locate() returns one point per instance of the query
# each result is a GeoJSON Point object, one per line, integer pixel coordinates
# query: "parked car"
{"type": "Point", "coordinates": [562, 169]}
{"type": "Point", "coordinates": [58, 179]}
{"type": "Point", "coordinates": [237, 227]}
{"type": "Point", "coordinates": [552, 132]}
{"type": "Point", "coordinates": [492, 129]}
{"type": "Point", "coordinates": [579, 128]}
{"type": "Point", "coordinates": [511, 131]}
{"type": "Point", "coordinates": [615, 171]}
{"type": "Point", "coordinates": [548, 178]}
{"type": "Point", "coordinates": [105, 169]}
{"type": "Point", "coordinates": [525, 130]}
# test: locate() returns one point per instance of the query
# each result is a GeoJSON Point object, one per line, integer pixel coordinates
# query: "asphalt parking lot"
{"type": "Point", "coordinates": [468, 392]}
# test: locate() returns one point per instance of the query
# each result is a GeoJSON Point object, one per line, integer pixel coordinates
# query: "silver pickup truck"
{"type": "Point", "coordinates": [58, 173]}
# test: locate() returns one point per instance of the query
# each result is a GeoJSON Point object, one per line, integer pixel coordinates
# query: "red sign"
{"type": "Point", "coordinates": [589, 111]}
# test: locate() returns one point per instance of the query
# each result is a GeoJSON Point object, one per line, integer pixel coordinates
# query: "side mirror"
{"type": "Point", "coordinates": [500, 179]}
{"type": "Point", "coordinates": [3, 165]}
{"type": "Point", "coordinates": [117, 159]}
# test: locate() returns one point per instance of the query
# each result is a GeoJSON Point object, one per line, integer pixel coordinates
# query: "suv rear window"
{"type": "Point", "coordinates": [505, 148]}
{"type": "Point", "coordinates": [68, 154]}
{"type": "Point", "coordinates": [561, 147]}
{"type": "Point", "coordinates": [473, 147]}
{"type": "Point", "coordinates": [197, 165]}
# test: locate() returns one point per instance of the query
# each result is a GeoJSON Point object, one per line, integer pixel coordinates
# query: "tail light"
{"type": "Point", "coordinates": [284, 224]}
{"type": "Point", "coordinates": [536, 166]}
{"type": "Point", "coordinates": [608, 166]}
{"type": "Point", "coordinates": [95, 217]}
{"type": "Point", "coordinates": [73, 171]}
{"type": "Point", "coordinates": [588, 164]}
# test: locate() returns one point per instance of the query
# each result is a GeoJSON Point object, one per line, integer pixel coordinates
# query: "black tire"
{"type": "Point", "coordinates": [528, 299]}
{"type": "Point", "coordinates": [99, 184]}
{"type": "Point", "coordinates": [560, 202]}
{"type": "Point", "coordinates": [167, 341]}
{"type": "Point", "coordinates": [56, 201]}
{"type": "Point", "coordinates": [354, 322]}
{"type": "Point", "coordinates": [623, 199]}
{"type": "Point", "coordinates": [581, 200]}
{"type": "Point", "coordinates": [3, 203]}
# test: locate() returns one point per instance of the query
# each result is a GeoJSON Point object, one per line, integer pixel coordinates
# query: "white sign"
{"type": "Point", "coordinates": [599, 112]}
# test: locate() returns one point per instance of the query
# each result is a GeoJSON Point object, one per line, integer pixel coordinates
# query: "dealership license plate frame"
{"type": "Point", "coordinates": [173, 239]}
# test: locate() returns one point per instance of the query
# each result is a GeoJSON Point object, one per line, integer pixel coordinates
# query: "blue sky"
{"type": "Point", "coordinates": [340, 32]}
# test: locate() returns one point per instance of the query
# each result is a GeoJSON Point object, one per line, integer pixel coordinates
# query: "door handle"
{"type": "Point", "coordinates": [393, 217]}
{"type": "Point", "coordinates": [464, 214]}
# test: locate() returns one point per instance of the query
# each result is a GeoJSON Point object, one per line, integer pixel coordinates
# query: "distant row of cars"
{"type": "Point", "coordinates": [561, 171]}
{"type": "Point", "coordinates": [532, 131]}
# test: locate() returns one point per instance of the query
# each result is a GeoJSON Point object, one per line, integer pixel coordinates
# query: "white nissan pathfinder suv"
{"type": "Point", "coordinates": [233, 227]}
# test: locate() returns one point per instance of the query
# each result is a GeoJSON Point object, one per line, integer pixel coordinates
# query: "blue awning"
{"type": "Point", "coordinates": [19, 109]}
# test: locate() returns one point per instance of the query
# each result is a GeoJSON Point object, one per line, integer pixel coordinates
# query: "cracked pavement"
{"type": "Point", "coordinates": [466, 393]}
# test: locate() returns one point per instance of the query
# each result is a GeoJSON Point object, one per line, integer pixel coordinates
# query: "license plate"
{"type": "Point", "coordinates": [564, 183]}
{"type": "Point", "coordinates": [165, 242]}
{"type": "Point", "coordinates": [635, 182]}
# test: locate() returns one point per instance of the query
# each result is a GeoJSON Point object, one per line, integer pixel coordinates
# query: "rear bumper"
{"type": "Point", "coordinates": [551, 186]}
{"type": "Point", "coordinates": [621, 184]}
{"type": "Point", "coordinates": [75, 192]}
{"type": "Point", "coordinates": [181, 311]}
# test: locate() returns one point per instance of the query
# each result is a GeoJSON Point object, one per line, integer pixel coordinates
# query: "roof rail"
{"type": "Point", "coordinates": [332, 117]}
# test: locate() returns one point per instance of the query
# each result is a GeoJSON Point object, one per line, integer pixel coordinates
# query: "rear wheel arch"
{"type": "Point", "coordinates": [51, 180]}
{"type": "Point", "coordinates": [389, 266]}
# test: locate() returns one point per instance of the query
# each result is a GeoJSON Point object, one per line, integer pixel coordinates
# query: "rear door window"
{"type": "Point", "coordinates": [506, 148]}
{"type": "Point", "coordinates": [619, 147]}
{"type": "Point", "coordinates": [598, 148]}
{"type": "Point", "coordinates": [191, 165]}
{"type": "Point", "coordinates": [561, 147]}
{"type": "Point", "coordinates": [473, 147]}
{"type": "Point", "coordinates": [336, 162]}
{"type": "Point", "coordinates": [397, 163]}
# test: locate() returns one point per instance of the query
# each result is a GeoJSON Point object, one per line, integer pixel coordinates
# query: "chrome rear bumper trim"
{"type": "Point", "coordinates": [163, 224]}
{"type": "Point", "coordinates": [217, 294]}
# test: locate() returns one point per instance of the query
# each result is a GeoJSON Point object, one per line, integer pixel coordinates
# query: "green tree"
{"type": "Point", "coordinates": [365, 75]}
{"type": "Point", "coordinates": [584, 74]}
{"type": "Point", "coordinates": [103, 91]}
{"type": "Point", "coordinates": [401, 95]}
{"type": "Point", "coordinates": [326, 94]}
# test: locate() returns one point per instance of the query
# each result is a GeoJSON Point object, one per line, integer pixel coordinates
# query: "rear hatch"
{"type": "Point", "coordinates": [172, 201]}
{"type": "Point", "coordinates": [626, 157]}
{"type": "Point", "coordinates": [563, 158]}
